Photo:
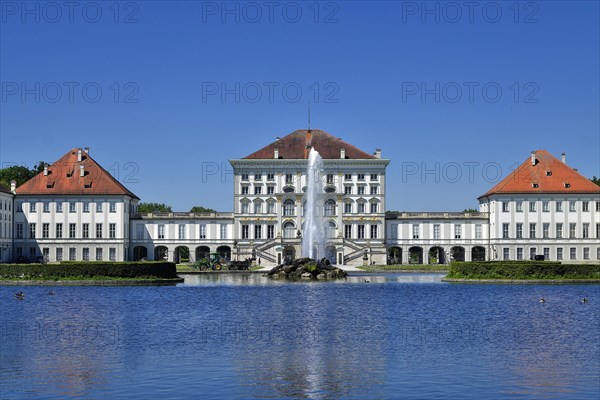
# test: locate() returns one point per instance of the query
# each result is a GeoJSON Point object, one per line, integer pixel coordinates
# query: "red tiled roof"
{"type": "Point", "coordinates": [293, 146]}
{"type": "Point", "coordinates": [64, 178]}
{"type": "Point", "coordinates": [548, 175]}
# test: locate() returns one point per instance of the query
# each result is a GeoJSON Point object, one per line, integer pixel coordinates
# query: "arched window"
{"type": "Point", "coordinates": [289, 208]}
{"type": "Point", "coordinates": [329, 208]}
{"type": "Point", "coordinates": [289, 230]}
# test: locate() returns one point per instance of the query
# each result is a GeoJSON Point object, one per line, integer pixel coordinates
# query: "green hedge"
{"type": "Point", "coordinates": [91, 269]}
{"type": "Point", "coordinates": [522, 270]}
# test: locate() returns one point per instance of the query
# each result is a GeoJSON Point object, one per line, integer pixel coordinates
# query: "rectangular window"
{"type": "Point", "coordinates": [72, 253]}
{"type": "Point", "coordinates": [586, 253]}
{"type": "Point", "coordinates": [98, 207]}
{"type": "Point", "coordinates": [545, 206]}
{"type": "Point", "coordinates": [347, 208]}
{"type": "Point", "coordinates": [573, 253]}
{"type": "Point", "coordinates": [59, 231]}
{"type": "Point", "coordinates": [245, 177]}
{"type": "Point", "coordinates": [559, 206]}
{"type": "Point", "coordinates": [598, 231]}
{"type": "Point", "coordinates": [505, 231]}
{"type": "Point", "coordinates": [99, 231]}
{"type": "Point", "coordinates": [245, 208]}
{"type": "Point", "coordinates": [270, 231]}
{"type": "Point", "coordinates": [572, 206]}
{"type": "Point", "coordinates": [519, 206]}
{"type": "Point", "coordinates": [361, 177]}
{"type": "Point", "coordinates": [519, 230]}
{"type": "Point", "coordinates": [505, 206]}
{"type": "Point", "coordinates": [374, 231]}
{"type": "Point", "coordinates": [161, 231]}
{"type": "Point", "coordinates": [19, 232]}
{"type": "Point", "coordinates": [457, 231]}
{"type": "Point", "coordinates": [245, 231]}
{"type": "Point", "coordinates": [361, 230]}
{"type": "Point", "coordinates": [32, 207]}
{"type": "Point", "coordinates": [572, 227]}
{"type": "Point", "coordinates": [270, 189]}
{"type": "Point", "coordinates": [361, 190]}
{"type": "Point", "coordinates": [478, 231]}
{"type": "Point", "coordinates": [258, 177]}
{"type": "Point", "coordinates": [32, 253]}
{"type": "Point", "coordinates": [546, 230]}
{"type": "Point", "coordinates": [289, 179]}
{"type": "Point", "coordinates": [72, 228]}
{"type": "Point", "coordinates": [347, 177]}
{"type": "Point", "coordinates": [559, 253]}
{"type": "Point", "coordinates": [585, 231]}
{"type": "Point", "coordinates": [597, 253]}
{"type": "Point", "coordinates": [532, 229]}
{"type": "Point", "coordinates": [506, 253]}
{"type": "Point", "coordinates": [373, 190]}
{"type": "Point", "coordinates": [72, 207]}
{"type": "Point", "coordinates": [329, 179]}
{"type": "Point", "coordinates": [519, 253]}
{"type": "Point", "coordinates": [112, 231]}
{"type": "Point", "coordinates": [258, 207]}
{"type": "Point", "coordinates": [32, 231]}
{"type": "Point", "coordinates": [59, 254]}
{"type": "Point", "coordinates": [415, 229]}
{"type": "Point", "coordinates": [271, 207]}
{"type": "Point", "coordinates": [361, 207]}
{"type": "Point", "coordinates": [559, 228]}
{"type": "Point", "coordinates": [46, 253]}
{"type": "Point", "coordinates": [112, 207]}
{"type": "Point", "coordinates": [181, 232]}
{"type": "Point", "coordinates": [244, 189]}
{"type": "Point", "coordinates": [45, 231]}
{"type": "Point", "coordinates": [257, 189]}
{"type": "Point", "coordinates": [598, 206]}
{"type": "Point", "coordinates": [112, 254]}
{"type": "Point", "coordinates": [98, 253]}
{"type": "Point", "coordinates": [348, 231]}
{"type": "Point", "coordinates": [59, 207]}
{"type": "Point", "coordinates": [347, 189]}
{"type": "Point", "coordinates": [436, 231]}
{"type": "Point", "coordinates": [202, 231]}
{"type": "Point", "coordinates": [374, 177]}
{"type": "Point", "coordinates": [373, 208]}
{"type": "Point", "coordinates": [85, 231]}
{"type": "Point", "coordinates": [86, 207]}
{"type": "Point", "coordinates": [270, 177]}
{"type": "Point", "coordinates": [46, 206]}
{"type": "Point", "coordinates": [224, 231]}
{"type": "Point", "coordinates": [257, 231]}
{"type": "Point", "coordinates": [585, 206]}
{"type": "Point", "coordinates": [532, 206]}
{"type": "Point", "coordinates": [86, 253]}
{"type": "Point", "coordinates": [546, 253]}
{"type": "Point", "coordinates": [532, 252]}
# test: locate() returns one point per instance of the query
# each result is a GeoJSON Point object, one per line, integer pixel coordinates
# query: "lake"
{"type": "Point", "coordinates": [244, 336]}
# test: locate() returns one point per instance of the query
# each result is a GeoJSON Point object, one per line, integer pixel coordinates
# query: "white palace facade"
{"type": "Point", "coordinates": [75, 210]}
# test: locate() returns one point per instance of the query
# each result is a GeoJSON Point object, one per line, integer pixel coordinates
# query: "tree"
{"type": "Point", "coordinates": [470, 210]}
{"type": "Point", "coordinates": [19, 173]}
{"type": "Point", "coordinates": [200, 209]}
{"type": "Point", "coordinates": [153, 207]}
{"type": "Point", "coordinates": [595, 180]}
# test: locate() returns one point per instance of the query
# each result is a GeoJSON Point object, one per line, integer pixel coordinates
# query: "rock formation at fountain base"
{"type": "Point", "coordinates": [307, 268]}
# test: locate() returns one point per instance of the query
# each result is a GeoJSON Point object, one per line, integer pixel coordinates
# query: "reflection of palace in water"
{"type": "Point", "coordinates": [75, 210]}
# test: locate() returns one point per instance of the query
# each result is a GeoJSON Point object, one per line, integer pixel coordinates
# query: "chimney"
{"type": "Point", "coordinates": [13, 186]}
{"type": "Point", "coordinates": [78, 155]}
{"type": "Point", "coordinates": [343, 153]}
{"type": "Point", "coordinates": [87, 150]}
{"type": "Point", "coordinates": [533, 159]}
{"type": "Point", "coordinates": [45, 169]}
{"type": "Point", "coordinates": [377, 153]}
{"type": "Point", "coordinates": [564, 158]}
{"type": "Point", "coordinates": [276, 152]}
{"type": "Point", "coordinates": [81, 170]}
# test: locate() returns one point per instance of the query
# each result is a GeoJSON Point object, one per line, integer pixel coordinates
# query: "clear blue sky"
{"type": "Point", "coordinates": [377, 68]}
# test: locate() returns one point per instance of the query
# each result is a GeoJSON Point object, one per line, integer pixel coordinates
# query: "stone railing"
{"type": "Point", "coordinates": [436, 215]}
{"type": "Point", "coordinates": [183, 215]}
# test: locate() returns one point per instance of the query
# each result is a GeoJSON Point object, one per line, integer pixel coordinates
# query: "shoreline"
{"type": "Point", "coordinates": [91, 282]}
{"type": "Point", "coordinates": [523, 281]}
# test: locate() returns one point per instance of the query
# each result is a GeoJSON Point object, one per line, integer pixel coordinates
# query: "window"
{"type": "Point", "coordinates": [270, 189]}
{"type": "Point", "coordinates": [203, 231]}
{"type": "Point", "coordinates": [361, 190]}
{"type": "Point", "coordinates": [72, 207]}
{"type": "Point", "coordinates": [505, 206]}
{"type": "Point", "coordinates": [271, 207]}
{"type": "Point", "coordinates": [586, 253]}
{"type": "Point", "coordinates": [598, 206]}
{"type": "Point", "coordinates": [532, 252]}
{"type": "Point", "coordinates": [289, 208]}
{"type": "Point", "coordinates": [373, 177]}
{"type": "Point", "coordinates": [559, 228]}
{"type": "Point", "coordinates": [224, 232]}
{"type": "Point", "coordinates": [72, 233]}
{"type": "Point", "coordinates": [32, 253]}
{"type": "Point", "coordinates": [112, 254]}
{"type": "Point", "coordinates": [245, 207]}
{"type": "Point", "coordinates": [85, 231]}
{"type": "Point", "coordinates": [245, 230]}
{"type": "Point", "coordinates": [257, 231]}
{"type": "Point", "coordinates": [46, 253]}
{"type": "Point", "coordinates": [436, 231]}
{"type": "Point", "coordinates": [257, 189]}
{"type": "Point", "coordinates": [457, 231]}
{"type": "Point", "coordinates": [519, 206]}
{"type": "Point", "coordinates": [59, 254]}
{"type": "Point", "coordinates": [270, 177]}
{"type": "Point", "coordinates": [559, 206]}
{"type": "Point", "coordinates": [270, 231]}
{"type": "Point", "coordinates": [374, 231]}
{"type": "Point", "coordinates": [506, 253]}
{"type": "Point", "coordinates": [181, 231]}
{"type": "Point", "coordinates": [361, 231]}
{"type": "Point", "coordinates": [361, 207]}
{"type": "Point", "coordinates": [361, 177]}
{"type": "Point", "coordinates": [347, 189]}
{"type": "Point", "coordinates": [99, 231]}
{"type": "Point", "coordinates": [112, 207]}
{"type": "Point", "coordinates": [86, 207]}
{"type": "Point", "coordinates": [244, 177]}
{"type": "Point", "coordinates": [45, 230]}
{"type": "Point", "coordinates": [329, 208]}
{"type": "Point", "coordinates": [347, 177]}
{"type": "Point", "coordinates": [98, 207]}
{"type": "Point", "coordinates": [573, 253]}
{"type": "Point", "coordinates": [289, 230]}
{"type": "Point", "coordinates": [46, 206]}
{"type": "Point", "coordinates": [139, 231]}
{"type": "Point", "coordinates": [585, 206]}
{"type": "Point", "coordinates": [32, 207]}
{"type": "Point", "coordinates": [572, 227]}
{"type": "Point", "coordinates": [161, 231]}
{"type": "Point", "coordinates": [597, 253]}
{"type": "Point", "coordinates": [348, 231]}
{"type": "Point", "coordinates": [59, 231]}
{"type": "Point", "coordinates": [415, 231]}
{"type": "Point", "coordinates": [532, 206]}
{"type": "Point", "coordinates": [559, 253]}
{"type": "Point", "coordinates": [329, 179]}
{"type": "Point", "coordinates": [585, 232]}
{"type": "Point", "coordinates": [395, 231]}
{"type": "Point", "coordinates": [19, 232]}
{"type": "Point", "coordinates": [572, 206]}
{"type": "Point", "coordinates": [598, 231]}
{"type": "Point", "coordinates": [258, 177]}
{"type": "Point", "coordinates": [258, 207]}
{"type": "Point", "coordinates": [519, 253]}
{"type": "Point", "coordinates": [72, 253]}
{"type": "Point", "coordinates": [289, 179]}
{"type": "Point", "coordinates": [373, 189]}
{"type": "Point", "coordinates": [478, 231]}
{"type": "Point", "coordinates": [519, 230]}
{"type": "Point", "coordinates": [32, 230]}
{"type": "Point", "coordinates": [98, 253]}
{"type": "Point", "coordinates": [546, 253]}
{"type": "Point", "coordinates": [374, 207]}
{"type": "Point", "coordinates": [244, 189]}
{"type": "Point", "coordinates": [112, 230]}
{"type": "Point", "coordinates": [545, 206]}
{"type": "Point", "coordinates": [86, 253]}
{"type": "Point", "coordinates": [59, 207]}
{"type": "Point", "coordinates": [347, 208]}
{"type": "Point", "coordinates": [505, 231]}
{"type": "Point", "coordinates": [532, 229]}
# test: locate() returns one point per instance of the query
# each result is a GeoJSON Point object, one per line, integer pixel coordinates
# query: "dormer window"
{"type": "Point", "coordinates": [535, 185]}
{"type": "Point", "coordinates": [567, 185]}
{"type": "Point", "coordinates": [548, 173]}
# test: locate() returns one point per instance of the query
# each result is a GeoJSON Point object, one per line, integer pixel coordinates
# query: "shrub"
{"type": "Point", "coordinates": [146, 270]}
{"type": "Point", "coordinates": [522, 270]}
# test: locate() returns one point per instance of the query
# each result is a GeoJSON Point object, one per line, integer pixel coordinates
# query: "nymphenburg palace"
{"type": "Point", "coordinates": [75, 210]}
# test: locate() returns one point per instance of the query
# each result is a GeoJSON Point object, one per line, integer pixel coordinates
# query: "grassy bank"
{"type": "Point", "coordinates": [522, 270]}
{"type": "Point", "coordinates": [92, 270]}
{"type": "Point", "coordinates": [405, 267]}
